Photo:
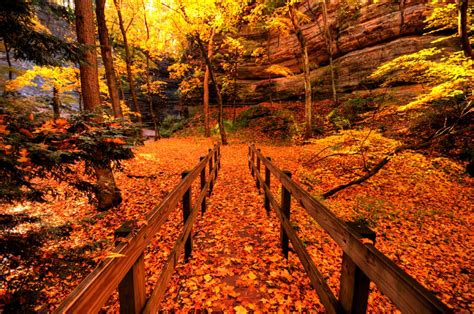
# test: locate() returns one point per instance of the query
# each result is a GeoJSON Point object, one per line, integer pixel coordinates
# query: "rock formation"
{"type": "Point", "coordinates": [362, 39]}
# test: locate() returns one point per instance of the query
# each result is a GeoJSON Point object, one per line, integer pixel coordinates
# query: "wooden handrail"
{"type": "Point", "coordinates": [409, 295]}
{"type": "Point", "coordinates": [92, 293]}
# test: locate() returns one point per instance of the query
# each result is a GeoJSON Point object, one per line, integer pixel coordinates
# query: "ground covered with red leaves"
{"type": "Point", "coordinates": [420, 208]}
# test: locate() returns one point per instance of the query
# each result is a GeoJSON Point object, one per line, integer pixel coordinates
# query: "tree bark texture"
{"type": "Point", "coordinates": [463, 7]}
{"type": "Point", "coordinates": [56, 103]}
{"type": "Point", "coordinates": [88, 68]}
{"type": "Point", "coordinates": [128, 62]}
{"type": "Point", "coordinates": [107, 59]}
{"type": "Point", "coordinates": [218, 90]}
{"type": "Point", "coordinates": [108, 195]}
{"type": "Point", "coordinates": [147, 77]}
{"type": "Point", "coordinates": [9, 61]}
{"type": "Point", "coordinates": [207, 128]}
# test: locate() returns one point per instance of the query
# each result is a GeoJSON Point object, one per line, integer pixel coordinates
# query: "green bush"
{"type": "Point", "coordinates": [229, 127]}
{"type": "Point", "coordinates": [349, 112]}
{"type": "Point", "coordinates": [170, 125]}
{"type": "Point", "coordinates": [244, 118]}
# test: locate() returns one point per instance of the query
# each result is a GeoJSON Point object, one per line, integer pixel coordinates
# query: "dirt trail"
{"type": "Point", "coordinates": [236, 261]}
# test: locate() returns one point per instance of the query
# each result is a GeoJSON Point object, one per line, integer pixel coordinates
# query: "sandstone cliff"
{"type": "Point", "coordinates": [362, 39]}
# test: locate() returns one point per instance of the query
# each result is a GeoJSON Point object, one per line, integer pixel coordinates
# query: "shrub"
{"type": "Point", "coordinates": [244, 118]}
{"type": "Point", "coordinates": [32, 147]}
{"type": "Point", "coordinates": [170, 125]}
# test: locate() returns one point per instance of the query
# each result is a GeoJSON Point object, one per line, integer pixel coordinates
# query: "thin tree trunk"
{"type": "Point", "coordinates": [207, 129]}
{"type": "Point", "coordinates": [128, 62]}
{"type": "Point", "coordinates": [329, 47]}
{"type": "Point", "coordinates": [463, 6]}
{"type": "Point", "coordinates": [306, 73]}
{"type": "Point", "coordinates": [107, 193]}
{"type": "Point", "coordinates": [9, 62]}
{"type": "Point", "coordinates": [218, 91]}
{"type": "Point", "coordinates": [106, 52]}
{"type": "Point", "coordinates": [56, 103]}
{"type": "Point", "coordinates": [122, 92]}
{"type": "Point", "coordinates": [147, 76]}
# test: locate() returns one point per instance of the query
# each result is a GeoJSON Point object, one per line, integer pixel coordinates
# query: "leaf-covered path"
{"type": "Point", "coordinates": [237, 262]}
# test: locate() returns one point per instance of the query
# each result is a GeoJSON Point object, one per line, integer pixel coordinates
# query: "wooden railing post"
{"type": "Point", "coordinates": [211, 182]}
{"type": "Point", "coordinates": [248, 157]}
{"type": "Point", "coordinates": [267, 183]}
{"type": "Point", "coordinates": [285, 208]}
{"type": "Point", "coordinates": [203, 183]}
{"type": "Point", "coordinates": [132, 293]}
{"type": "Point", "coordinates": [216, 158]}
{"type": "Point", "coordinates": [354, 289]}
{"type": "Point", "coordinates": [219, 155]}
{"type": "Point", "coordinates": [258, 171]}
{"type": "Point", "coordinates": [252, 162]}
{"type": "Point", "coordinates": [186, 213]}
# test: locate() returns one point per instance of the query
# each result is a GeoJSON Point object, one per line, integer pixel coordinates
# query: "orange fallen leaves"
{"type": "Point", "coordinates": [236, 263]}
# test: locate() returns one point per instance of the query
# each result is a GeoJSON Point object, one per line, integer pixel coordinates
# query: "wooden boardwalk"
{"type": "Point", "coordinates": [236, 257]}
{"type": "Point", "coordinates": [236, 251]}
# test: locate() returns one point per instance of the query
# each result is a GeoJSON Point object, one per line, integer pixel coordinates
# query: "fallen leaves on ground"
{"type": "Point", "coordinates": [420, 207]}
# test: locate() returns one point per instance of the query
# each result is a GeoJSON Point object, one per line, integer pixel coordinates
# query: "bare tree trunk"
{"type": "Point", "coordinates": [207, 129]}
{"type": "Point", "coordinates": [147, 77]}
{"type": "Point", "coordinates": [218, 91]}
{"type": "Point", "coordinates": [106, 52]}
{"type": "Point", "coordinates": [128, 62]}
{"type": "Point", "coordinates": [108, 195]}
{"type": "Point", "coordinates": [463, 6]}
{"type": "Point", "coordinates": [306, 73]}
{"type": "Point", "coordinates": [329, 47]}
{"type": "Point", "coordinates": [56, 103]}
{"type": "Point", "coordinates": [9, 62]}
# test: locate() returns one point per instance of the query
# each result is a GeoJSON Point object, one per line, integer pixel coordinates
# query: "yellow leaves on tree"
{"type": "Point", "coordinates": [47, 78]}
{"type": "Point", "coordinates": [446, 77]}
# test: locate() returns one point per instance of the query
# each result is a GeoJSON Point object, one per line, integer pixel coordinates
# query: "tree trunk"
{"type": "Point", "coordinates": [128, 62]}
{"type": "Point", "coordinates": [56, 103]}
{"type": "Point", "coordinates": [218, 91]}
{"type": "Point", "coordinates": [463, 6]}
{"type": "Point", "coordinates": [306, 73]}
{"type": "Point", "coordinates": [9, 62]}
{"type": "Point", "coordinates": [207, 129]}
{"type": "Point", "coordinates": [106, 52]}
{"type": "Point", "coordinates": [147, 76]}
{"type": "Point", "coordinates": [329, 47]}
{"type": "Point", "coordinates": [108, 195]}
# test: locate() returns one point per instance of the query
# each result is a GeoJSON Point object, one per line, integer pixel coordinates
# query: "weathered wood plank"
{"type": "Point", "coordinates": [267, 182]}
{"type": "Point", "coordinates": [203, 185]}
{"type": "Point", "coordinates": [188, 248]}
{"type": "Point", "coordinates": [409, 295]}
{"type": "Point", "coordinates": [132, 293]}
{"type": "Point", "coordinates": [317, 280]}
{"type": "Point", "coordinates": [354, 284]}
{"type": "Point", "coordinates": [157, 295]}
{"type": "Point", "coordinates": [285, 210]}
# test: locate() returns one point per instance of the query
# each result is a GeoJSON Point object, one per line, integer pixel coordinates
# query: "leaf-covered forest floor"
{"type": "Point", "coordinates": [420, 208]}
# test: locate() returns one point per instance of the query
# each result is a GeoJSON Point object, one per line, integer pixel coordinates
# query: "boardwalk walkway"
{"type": "Point", "coordinates": [237, 261]}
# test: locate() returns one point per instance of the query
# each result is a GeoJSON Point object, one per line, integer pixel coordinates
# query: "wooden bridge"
{"type": "Point", "coordinates": [362, 262]}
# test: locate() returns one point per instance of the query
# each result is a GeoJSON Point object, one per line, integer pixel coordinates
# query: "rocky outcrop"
{"type": "Point", "coordinates": [362, 39]}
